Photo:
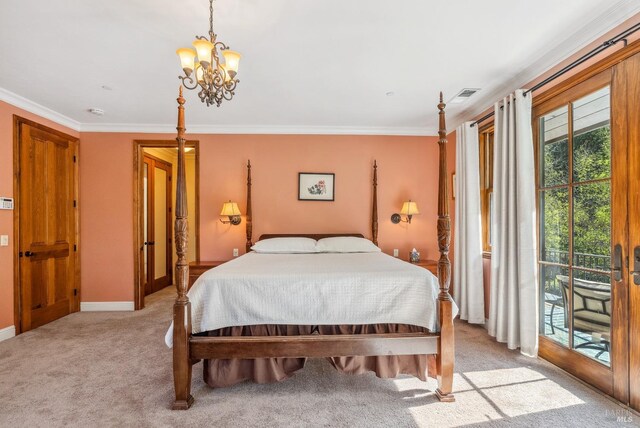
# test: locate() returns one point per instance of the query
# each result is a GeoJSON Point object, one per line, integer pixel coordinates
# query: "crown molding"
{"type": "Point", "coordinates": [35, 108]}
{"type": "Point", "coordinates": [547, 57]}
{"type": "Point", "coordinates": [262, 129]}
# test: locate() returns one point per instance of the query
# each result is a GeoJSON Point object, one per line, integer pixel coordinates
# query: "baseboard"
{"type": "Point", "coordinates": [7, 333]}
{"type": "Point", "coordinates": [106, 306]}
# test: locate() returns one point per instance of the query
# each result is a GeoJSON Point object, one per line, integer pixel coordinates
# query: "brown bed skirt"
{"type": "Point", "coordinates": [222, 373]}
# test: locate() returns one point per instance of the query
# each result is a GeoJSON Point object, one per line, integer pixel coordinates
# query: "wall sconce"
{"type": "Point", "coordinates": [409, 209]}
{"type": "Point", "coordinates": [231, 210]}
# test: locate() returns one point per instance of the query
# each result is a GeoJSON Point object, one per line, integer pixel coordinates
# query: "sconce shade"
{"type": "Point", "coordinates": [230, 209]}
{"type": "Point", "coordinates": [409, 208]}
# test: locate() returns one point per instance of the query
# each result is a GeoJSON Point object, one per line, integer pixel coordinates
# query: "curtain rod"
{"type": "Point", "coordinates": [595, 51]}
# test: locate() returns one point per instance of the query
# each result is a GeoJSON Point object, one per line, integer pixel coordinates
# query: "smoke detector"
{"type": "Point", "coordinates": [96, 111]}
{"type": "Point", "coordinates": [463, 95]}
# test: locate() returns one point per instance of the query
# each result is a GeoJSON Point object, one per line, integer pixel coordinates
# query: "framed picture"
{"type": "Point", "coordinates": [316, 186]}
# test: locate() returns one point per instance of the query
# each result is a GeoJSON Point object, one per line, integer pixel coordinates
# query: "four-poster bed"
{"type": "Point", "coordinates": [188, 348]}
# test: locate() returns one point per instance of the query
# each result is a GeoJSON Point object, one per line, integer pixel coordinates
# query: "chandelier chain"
{"type": "Point", "coordinates": [211, 19]}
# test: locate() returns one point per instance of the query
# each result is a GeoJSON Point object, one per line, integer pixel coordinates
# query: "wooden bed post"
{"type": "Point", "coordinates": [182, 306]}
{"type": "Point", "coordinates": [374, 212]}
{"type": "Point", "coordinates": [249, 224]}
{"type": "Point", "coordinates": [446, 355]}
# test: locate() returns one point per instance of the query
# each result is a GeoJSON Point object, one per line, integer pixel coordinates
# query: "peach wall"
{"type": "Point", "coordinates": [6, 189]}
{"type": "Point", "coordinates": [408, 168]}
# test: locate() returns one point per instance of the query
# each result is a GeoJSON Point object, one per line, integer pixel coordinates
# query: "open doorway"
{"type": "Point", "coordinates": [155, 166]}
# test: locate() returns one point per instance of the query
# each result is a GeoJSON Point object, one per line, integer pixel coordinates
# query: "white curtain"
{"type": "Point", "coordinates": [468, 289]}
{"type": "Point", "coordinates": [513, 314]}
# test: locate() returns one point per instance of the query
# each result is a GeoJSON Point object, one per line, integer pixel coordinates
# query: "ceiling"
{"type": "Point", "coordinates": [308, 66]}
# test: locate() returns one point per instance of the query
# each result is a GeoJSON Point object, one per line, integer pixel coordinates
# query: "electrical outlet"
{"type": "Point", "coordinates": [395, 252]}
{"type": "Point", "coordinates": [4, 240]}
{"type": "Point", "coordinates": [235, 252]}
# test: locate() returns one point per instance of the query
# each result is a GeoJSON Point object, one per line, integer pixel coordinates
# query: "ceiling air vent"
{"type": "Point", "coordinates": [463, 95]}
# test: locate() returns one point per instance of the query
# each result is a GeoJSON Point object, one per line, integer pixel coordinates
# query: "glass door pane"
{"type": "Point", "coordinates": [160, 222]}
{"type": "Point", "coordinates": [591, 261]}
{"type": "Point", "coordinates": [554, 224]}
{"type": "Point", "coordinates": [145, 216]}
{"type": "Point", "coordinates": [574, 151]}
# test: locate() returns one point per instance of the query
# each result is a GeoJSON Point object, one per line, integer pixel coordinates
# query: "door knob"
{"type": "Point", "coordinates": [29, 254]}
{"type": "Point", "coordinates": [617, 263]}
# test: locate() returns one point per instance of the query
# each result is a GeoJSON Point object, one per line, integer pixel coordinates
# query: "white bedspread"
{"type": "Point", "coordinates": [313, 289]}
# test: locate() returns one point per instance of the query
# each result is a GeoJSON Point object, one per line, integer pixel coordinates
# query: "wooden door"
{"type": "Point", "coordinates": [158, 254]}
{"type": "Point", "coordinates": [629, 76]}
{"type": "Point", "coordinates": [582, 212]}
{"type": "Point", "coordinates": [589, 229]}
{"type": "Point", "coordinates": [47, 224]}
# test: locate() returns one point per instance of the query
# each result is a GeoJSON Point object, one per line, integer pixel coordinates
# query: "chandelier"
{"type": "Point", "coordinates": [217, 81]}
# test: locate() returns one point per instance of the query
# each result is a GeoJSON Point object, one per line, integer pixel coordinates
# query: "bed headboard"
{"type": "Point", "coordinates": [374, 216]}
{"type": "Point", "coordinates": [315, 236]}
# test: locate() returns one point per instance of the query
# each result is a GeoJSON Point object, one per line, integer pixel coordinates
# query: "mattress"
{"type": "Point", "coordinates": [313, 289]}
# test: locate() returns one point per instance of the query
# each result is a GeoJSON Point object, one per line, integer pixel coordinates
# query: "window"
{"type": "Point", "coordinates": [486, 183]}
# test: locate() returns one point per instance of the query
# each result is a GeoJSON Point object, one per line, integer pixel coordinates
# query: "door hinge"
{"type": "Point", "coordinates": [75, 291]}
{"type": "Point", "coordinates": [74, 203]}
{"type": "Point", "coordinates": [75, 247]}
{"type": "Point", "coordinates": [74, 158]}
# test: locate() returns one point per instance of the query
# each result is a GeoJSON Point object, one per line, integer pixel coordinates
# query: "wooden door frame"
{"type": "Point", "coordinates": [74, 141]}
{"type": "Point", "coordinates": [168, 168]}
{"type": "Point", "coordinates": [138, 221]}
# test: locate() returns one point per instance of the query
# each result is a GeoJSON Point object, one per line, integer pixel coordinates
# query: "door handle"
{"type": "Point", "coordinates": [617, 263]}
{"type": "Point", "coordinates": [29, 254]}
{"type": "Point", "coordinates": [636, 265]}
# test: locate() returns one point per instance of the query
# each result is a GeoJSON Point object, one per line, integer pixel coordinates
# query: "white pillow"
{"type": "Point", "coordinates": [285, 246]}
{"type": "Point", "coordinates": [346, 244]}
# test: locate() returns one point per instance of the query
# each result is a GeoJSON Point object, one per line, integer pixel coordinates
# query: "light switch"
{"type": "Point", "coordinates": [4, 240]}
{"type": "Point", "coordinates": [235, 252]}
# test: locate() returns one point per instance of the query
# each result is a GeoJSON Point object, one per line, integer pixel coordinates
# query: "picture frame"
{"type": "Point", "coordinates": [316, 186]}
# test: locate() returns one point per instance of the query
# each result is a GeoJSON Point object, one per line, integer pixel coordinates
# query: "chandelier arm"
{"type": "Point", "coordinates": [184, 83]}
{"type": "Point", "coordinates": [221, 45]}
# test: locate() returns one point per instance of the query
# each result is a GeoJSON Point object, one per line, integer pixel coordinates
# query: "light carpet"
{"type": "Point", "coordinates": [113, 369]}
